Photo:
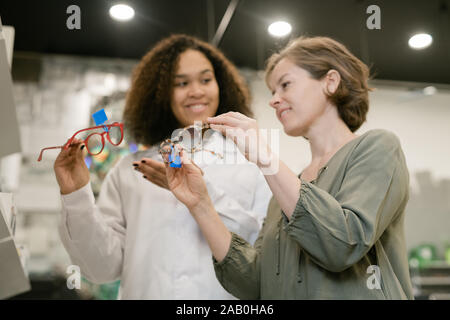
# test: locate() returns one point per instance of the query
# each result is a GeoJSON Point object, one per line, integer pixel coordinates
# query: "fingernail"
{"type": "Point", "coordinates": [144, 177]}
{"type": "Point", "coordinates": [135, 164]}
{"type": "Point", "coordinates": [143, 161]}
{"type": "Point", "coordinates": [82, 147]}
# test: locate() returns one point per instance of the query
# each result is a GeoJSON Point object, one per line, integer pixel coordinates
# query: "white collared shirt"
{"type": "Point", "coordinates": [141, 234]}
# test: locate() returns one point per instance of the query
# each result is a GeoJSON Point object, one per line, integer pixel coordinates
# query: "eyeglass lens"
{"type": "Point", "coordinates": [166, 150]}
{"type": "Point", "coordinates": [95, 143]}
{"type": "Point", "coordinates": [115, 135]}
{"type": "Point", "coordinates": [190, 138]}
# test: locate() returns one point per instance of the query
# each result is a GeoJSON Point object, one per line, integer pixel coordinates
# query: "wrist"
{"type": "Point", "coordinates": [265, 158]}
{"type": "Point", "coordinates": [202, 207]}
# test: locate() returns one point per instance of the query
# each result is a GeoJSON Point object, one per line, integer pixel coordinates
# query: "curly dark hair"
{"type": "Point", "coordinates": [148, 115]}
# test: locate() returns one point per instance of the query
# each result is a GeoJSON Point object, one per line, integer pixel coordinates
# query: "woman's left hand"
{"type": "Point", "coordinates": [245, 133]}
{"type": "Point", "coordinates": [153, 171]}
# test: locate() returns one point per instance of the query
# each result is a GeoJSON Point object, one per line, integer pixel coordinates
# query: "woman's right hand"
{"type": "Point", "coordinates": [246, 135]}
{"type": "Point", "coordinates": [70, 169]}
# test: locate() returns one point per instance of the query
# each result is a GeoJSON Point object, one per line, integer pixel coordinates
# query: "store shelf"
{"type": "Point", "coordinates": [432, 282]}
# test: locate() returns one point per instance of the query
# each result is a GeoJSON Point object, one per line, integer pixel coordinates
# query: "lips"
{"type": "Point", "coordinates": [197, 107]}
{"type": "Point", "coordinates": [282, 112]}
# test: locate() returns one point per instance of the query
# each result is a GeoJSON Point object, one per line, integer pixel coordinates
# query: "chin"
{"type": "Point", "coordinates": [201, 118]}
{"type": "Point", "coordinates": [294, 131]}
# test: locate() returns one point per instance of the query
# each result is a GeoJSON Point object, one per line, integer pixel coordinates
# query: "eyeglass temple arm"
{"type": "Point", "coordinates": [42, 151]}
{"type": "Point", "coordinates": [71, 139]}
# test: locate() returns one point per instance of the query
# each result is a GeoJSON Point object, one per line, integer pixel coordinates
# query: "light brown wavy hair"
{"type": "Point", "coordinates": [148, 116]}
{"type": "Point", "coordinates": [318, 55]}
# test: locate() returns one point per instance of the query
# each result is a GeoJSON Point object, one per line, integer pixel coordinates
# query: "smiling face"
{"type": "Point", "coordinates": [298, 99]}
{"type": "Point", "coordinates": [195, 90]}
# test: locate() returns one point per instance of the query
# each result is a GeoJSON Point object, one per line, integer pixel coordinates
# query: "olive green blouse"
{"type": "Point", "coordinates": [345, 238]}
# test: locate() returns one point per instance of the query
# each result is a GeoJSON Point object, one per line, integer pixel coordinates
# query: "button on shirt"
{"type": "Point", "coordinates": [141, 234]}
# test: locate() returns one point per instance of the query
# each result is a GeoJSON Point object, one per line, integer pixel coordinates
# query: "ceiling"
{"type": "Point", "coordinates": [41, 27]}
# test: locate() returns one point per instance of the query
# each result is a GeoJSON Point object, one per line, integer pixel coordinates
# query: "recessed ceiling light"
{"type": "Point", "coordinates": [420, 41]}
{"type": "Point", "coordinates": [121, 12]}
{"type": "Point", "coordinates": [279, 29]}
{"type": "Point", "coordinates": [429, 91]}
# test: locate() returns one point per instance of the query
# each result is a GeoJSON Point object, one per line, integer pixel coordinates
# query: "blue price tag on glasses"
{"type": "Point", "coordinates": [177, 162]}
{"type": "Point", "coordinates": [100, 118]}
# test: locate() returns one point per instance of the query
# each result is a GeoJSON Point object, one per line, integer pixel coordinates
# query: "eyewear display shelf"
{"type": "Point", "coordinates": [431, 282]}
{"type": "Point", "coordinates": [13, 277]}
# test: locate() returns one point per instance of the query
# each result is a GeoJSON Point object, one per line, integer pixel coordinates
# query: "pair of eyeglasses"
{"type": "Point", "coordinates": [95, 142]}
{"type": "Point", "coordinates": [189, 139]}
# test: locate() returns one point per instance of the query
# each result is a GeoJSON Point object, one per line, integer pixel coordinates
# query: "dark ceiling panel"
{"type": "Point", "coordinates": [41, 27]}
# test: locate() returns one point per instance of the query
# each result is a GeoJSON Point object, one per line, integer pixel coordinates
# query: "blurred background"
{"type": "Point", "coordinates": [61, 76]}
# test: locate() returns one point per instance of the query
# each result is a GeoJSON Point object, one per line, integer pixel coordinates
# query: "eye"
{"type": "Point", "coordinates": [181, 84]}
{"type": "Point", "coordinates": [206, 80]}
{"type": "Point", "coordinates": [285, 84]}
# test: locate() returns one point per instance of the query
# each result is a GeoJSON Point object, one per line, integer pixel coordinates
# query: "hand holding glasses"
{"type": "Point", "coordinates": [189, 139]}
{"type": "Point", "coordinates": [95, 142]}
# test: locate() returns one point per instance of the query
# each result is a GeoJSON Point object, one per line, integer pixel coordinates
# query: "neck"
{"type": "Point", "coordinates": [328, 134]}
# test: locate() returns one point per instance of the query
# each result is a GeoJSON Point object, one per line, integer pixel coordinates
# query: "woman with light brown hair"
{"type": "Point", "coordinates": [137, 231]}
{"type": "Point", "coordinates": [336, 230]}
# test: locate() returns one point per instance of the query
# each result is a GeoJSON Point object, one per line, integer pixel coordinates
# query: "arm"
{"type": "Point", "coordinates": [242, 202]}
{"type": "Point", "coordinates": [188, 186]}
{"type": "Point", "coordinates": [213, 229]}
{"type": "Point", "coordinates": [236, 262]}
{"type": "Point", "coordinates": [242, 213]}
{"type": "Point", "coordinates": [285, 185]}
{"type": "Point", "coordinates": [93, 234]}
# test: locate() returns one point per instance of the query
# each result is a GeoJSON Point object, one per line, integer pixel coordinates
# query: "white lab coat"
{"type": "Point", "coordinates": [141, 234]}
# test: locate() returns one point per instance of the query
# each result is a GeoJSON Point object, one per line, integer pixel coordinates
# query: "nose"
{"type": "Point", "coordinates": [196, 90]}
{"type": "Point", "coordinates": [275, 101]}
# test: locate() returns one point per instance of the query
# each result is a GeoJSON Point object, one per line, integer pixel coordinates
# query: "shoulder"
{"type": "Point", "coordinates": [378, 139]}
{"type": "Point", "coordinates": [377, 147]}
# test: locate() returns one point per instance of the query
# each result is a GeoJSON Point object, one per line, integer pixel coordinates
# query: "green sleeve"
{"type": "Point", "coordinates": [239, 272]}
{"type": "Point", "coordinates": [338, 231]}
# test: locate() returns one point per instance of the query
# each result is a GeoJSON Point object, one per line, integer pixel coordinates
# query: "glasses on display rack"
{"type": "Point", "coordinates": [189, 139]}
{"type": "Point", "coordinates": [95, 142]}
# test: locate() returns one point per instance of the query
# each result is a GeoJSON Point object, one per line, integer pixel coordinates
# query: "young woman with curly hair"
{"type": "Point", "coordinates": [137, 231]}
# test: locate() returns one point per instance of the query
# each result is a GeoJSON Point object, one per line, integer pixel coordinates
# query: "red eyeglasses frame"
{"type": "Point", "coordinates": [69, 142]}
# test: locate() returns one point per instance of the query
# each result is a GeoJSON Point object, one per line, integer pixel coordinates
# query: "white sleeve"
{"type": "Point", "coordinates": [94, 234]}
{"type": "Point", "coordinates": [246, 222]}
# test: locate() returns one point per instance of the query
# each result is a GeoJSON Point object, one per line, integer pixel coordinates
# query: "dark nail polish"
{"type": "Point", "coordinates": [145, 177]}
{"type": "Point", "coordinates": [143, 161]}
{"type": "Point", "coordinates": [135, 164]}
{"type": "Point", "coordinates": [82, 147]}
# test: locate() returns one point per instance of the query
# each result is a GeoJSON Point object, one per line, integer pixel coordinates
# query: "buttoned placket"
{"type": "Point", "coordinates": [319, 174]}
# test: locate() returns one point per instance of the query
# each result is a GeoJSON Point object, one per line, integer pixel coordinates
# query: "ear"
{"type": "Point", "coordinates": [331, 82]}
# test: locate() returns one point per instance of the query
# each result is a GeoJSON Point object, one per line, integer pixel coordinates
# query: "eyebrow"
{"type": "Point", "coordinates": [281, 79]}
{"type": "Point", "coordinates": [185, 75]}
